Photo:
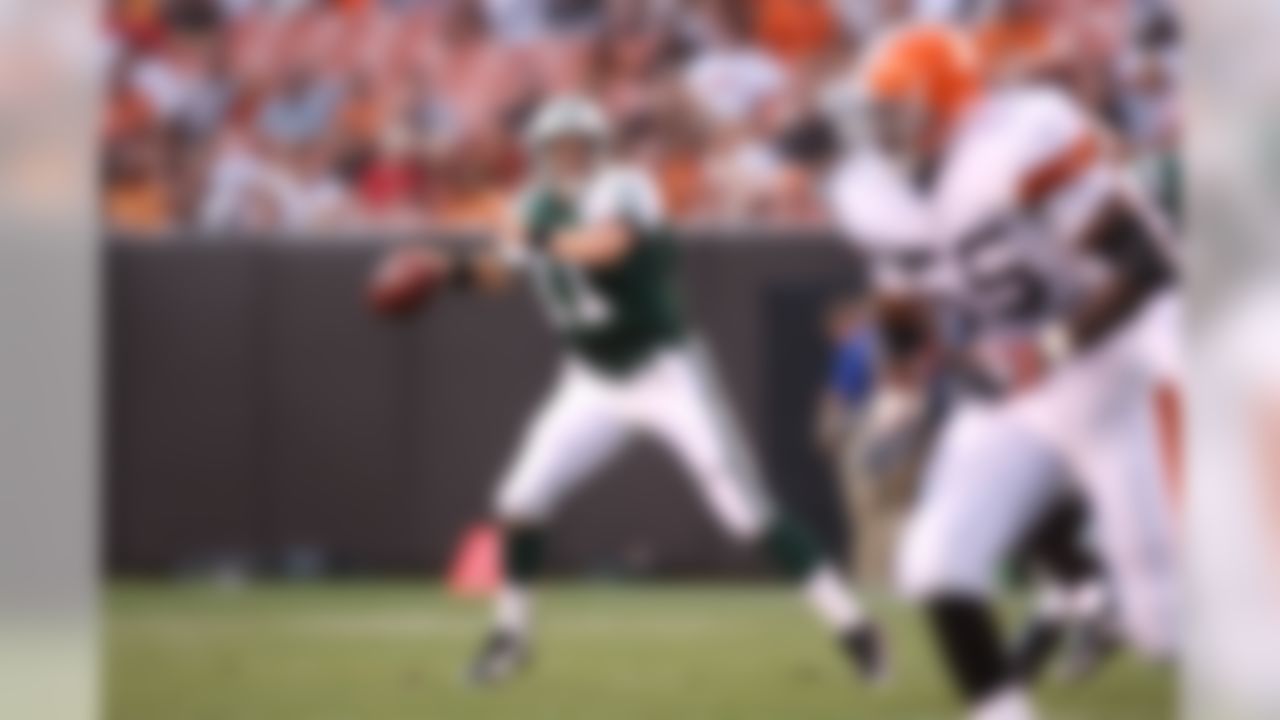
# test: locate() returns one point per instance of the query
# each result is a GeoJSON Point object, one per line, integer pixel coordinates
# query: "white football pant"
{"type": "Point", "coordinates": [995, 469]}
{"type": "Point", "coordinates": [588, 416]}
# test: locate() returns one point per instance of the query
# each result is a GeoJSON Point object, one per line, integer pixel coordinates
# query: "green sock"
{"type": "Point", "coordinates": [792, 548]}
{"type": "Point", "coordinates": [523, 551]}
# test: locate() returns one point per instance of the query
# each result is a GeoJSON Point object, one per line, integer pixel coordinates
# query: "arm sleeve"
{"type": "Point", "coordinates": [628, 195]}
{"type": "Point", "coordinates": [1066, 176]}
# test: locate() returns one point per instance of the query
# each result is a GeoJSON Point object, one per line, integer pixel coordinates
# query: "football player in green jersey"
{"type": "Point", "coordinates": [591, 237]}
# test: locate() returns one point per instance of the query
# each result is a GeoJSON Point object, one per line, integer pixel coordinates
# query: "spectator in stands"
{"type": "Point", "coordinates": [137, 198]}
{"type": "Point", "coordinates": [236, 191]}
{"type": "Point", "coordinates": [392, 181]}
{"type": "Point", "coordinates": [479, 81]}
{"type": "Point", "coordinates": [731, 78]}
{"type": "Point", "coordinates": [797, 31]}
{"type": "Point", "coordinates": [266, 115]}
{"type": "Point", "coordinates": [473, 181]}
{"type": "Point", "coordinates": [1020, 42]}
{"type": "Point", "coordinates": [301, 107]}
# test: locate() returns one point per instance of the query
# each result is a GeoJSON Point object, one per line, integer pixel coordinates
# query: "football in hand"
{"type": "Point", "coordinates": [405, 280]}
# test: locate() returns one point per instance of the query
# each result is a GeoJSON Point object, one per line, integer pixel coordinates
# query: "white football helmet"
{"type": "Point", "coordinates": [568, 116]}
{"type": "Point", "coordinates": [568, 140]}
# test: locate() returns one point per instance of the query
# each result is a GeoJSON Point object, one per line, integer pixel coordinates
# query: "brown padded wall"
{"type": "Point", "coordinates": [255, 407]}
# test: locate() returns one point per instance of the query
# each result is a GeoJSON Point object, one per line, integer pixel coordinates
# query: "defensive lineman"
{"type": "Point", "coordinates": [998, 234]}
{"type": "Point", "coordinates": [590, 235]}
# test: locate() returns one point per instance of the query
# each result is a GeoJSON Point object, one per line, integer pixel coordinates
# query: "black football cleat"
{"type": "Point", "coordinates": [865, 648]}
{"type": "Point", "coordinates": [502, 656]}
{"type": "Point", "coordinates": [1088, 649]}
{"type": "Point", "coordinates": [1035, 649]}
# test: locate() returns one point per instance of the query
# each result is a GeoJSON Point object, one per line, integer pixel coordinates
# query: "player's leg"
{"type": "Point", "coordinates": [982, 487]}
{"type": "Point", "coordinates": [682, 405]}
{"type": "Point", "coordinates": [1072, 598]}
{"type": "Point", "coordinates": [1122, 470]}
{"type": "Point", "coordinates": [568, 437]}
{"type": "Point", "coordinates": [1099, 412]}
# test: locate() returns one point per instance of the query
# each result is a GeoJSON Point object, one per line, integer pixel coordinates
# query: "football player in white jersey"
{"type": "Point", "coordinates": [1000, 239]}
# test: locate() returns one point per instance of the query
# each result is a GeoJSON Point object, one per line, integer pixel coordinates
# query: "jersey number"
{"type": "Point", "coordinates": [1011, 288]}
{"type": "Point", "coordinates": [1018, 293]}
{"type": "Point", "coordinates": [571, 300]}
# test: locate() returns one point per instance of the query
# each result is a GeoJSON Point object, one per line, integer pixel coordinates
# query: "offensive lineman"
{"type": "Point", "coordinates": [590, 235]}
{"type": "Point", "coordinates": [997, 235]}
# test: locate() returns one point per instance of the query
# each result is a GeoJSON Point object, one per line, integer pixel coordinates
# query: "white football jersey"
{"type": "Point", "coordinates": [991, 237]}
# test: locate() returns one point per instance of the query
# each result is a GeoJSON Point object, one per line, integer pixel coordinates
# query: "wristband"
{"type": "Point", "coordinates": [1056, 343]}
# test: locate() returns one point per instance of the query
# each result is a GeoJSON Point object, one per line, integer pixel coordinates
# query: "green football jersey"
{"type": "Point", "coordinates": [613, 317]}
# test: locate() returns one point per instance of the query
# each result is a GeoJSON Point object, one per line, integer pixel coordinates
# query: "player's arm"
{"type": "Point", "coordinates": [1133, 266]}
{"type": "Point", "coordinates": [599, 244]}
{"type": "Point", "coordinates": [495, 267]}
{"type": "Point", "coordinates": [408, 277]}
{"type": "Point", "coordinates": [1123, 249]}
{"type": "Point", "coordinates": [909, 339]}
{"type": "Point", "coordinates": [897, 415]}
{"type": "Point", "coordinates": [909, 345]}
{"type": "Point", "coordinates": [615, 211]}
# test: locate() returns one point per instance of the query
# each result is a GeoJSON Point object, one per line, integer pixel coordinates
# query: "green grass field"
{"type": "Point", "coordinates": [377, 651]}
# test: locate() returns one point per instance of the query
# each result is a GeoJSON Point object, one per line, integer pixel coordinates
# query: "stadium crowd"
{"type": "Point", "coordinates": [310, 118]}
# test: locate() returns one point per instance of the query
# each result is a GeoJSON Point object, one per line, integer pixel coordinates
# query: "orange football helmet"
{"type": "Point", "coordinates": [933, 67]}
